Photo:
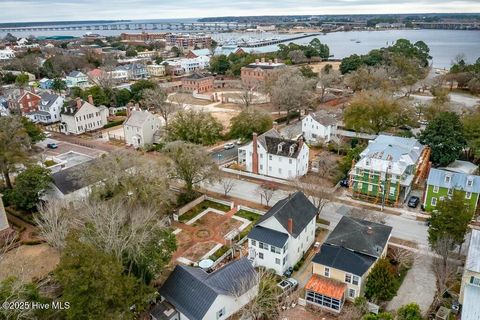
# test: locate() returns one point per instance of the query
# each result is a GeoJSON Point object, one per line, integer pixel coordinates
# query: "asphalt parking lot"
{"type": "Point", "coordinates": [65, 147]}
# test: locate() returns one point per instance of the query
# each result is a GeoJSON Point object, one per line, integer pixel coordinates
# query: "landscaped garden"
{"type": "Point", "coordinates": [192, 213]}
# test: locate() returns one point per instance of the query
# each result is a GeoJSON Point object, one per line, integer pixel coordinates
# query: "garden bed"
{"type": "Point", "coordinates": [252, 216]}
{"type": "Point", "coordinates": [192, 213]}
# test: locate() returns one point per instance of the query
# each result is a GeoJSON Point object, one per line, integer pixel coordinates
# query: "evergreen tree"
{"type": "Point", "coordinates": [381, 282]}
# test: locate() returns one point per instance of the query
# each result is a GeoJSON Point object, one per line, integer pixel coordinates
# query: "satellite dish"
{"type": "Point", "coordinates": [205, 264]}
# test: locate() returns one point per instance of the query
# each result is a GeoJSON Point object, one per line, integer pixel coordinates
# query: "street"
{"type": "Point", "coordinates": [404, 226]}
{"type": "Point", "coordinates": [222, 156]}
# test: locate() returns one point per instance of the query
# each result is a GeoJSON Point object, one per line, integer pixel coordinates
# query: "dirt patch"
{"type": "Point", "coordinates": [187, 98]}
{"type": "Point", "coordinates": [318, 66]}
{"type": "Point", "coordinates": [217, 222]}
{"type": "Point", "coordinates": [198, 250]}
{"type": "Point", "coordinates": [29, 262]}
{"type": "Point", "coordinates": [224, 118]}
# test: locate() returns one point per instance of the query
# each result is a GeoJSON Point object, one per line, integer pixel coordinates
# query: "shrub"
{"type": "Point", "coordinates": [113, 123]}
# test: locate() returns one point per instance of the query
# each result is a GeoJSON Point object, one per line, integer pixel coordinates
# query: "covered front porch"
{"type": "Point", "coordinates": [325, 293]}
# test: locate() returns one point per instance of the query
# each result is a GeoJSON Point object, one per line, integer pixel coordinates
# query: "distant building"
{"type": "Point", "coordinates": [198, 295]}
{"type": "Point", "coordinates": [156, 70]}
{"type": "Point", "coordinates": [255, 73]}
{"type": "Point", "coordinates": [141, 128]}
{"type": "Point", "coordinates": [198, 82]}
{"type": "Point", "coordinates": [227, 50]}
{"type": "Point", "coordinates": [181, 66]}
{"type": "Point", "coordinates": [319, 127]}
{"type": "Point", "coordinates": [45, 83]}
{"type": "Point", "coordinates": [442, 183]}
{"type": "Point", "coordinates": [135, 71]}
{"type": "Point", "coordinates": [77, 79]}
{"type": "Point", "coordinates": [271, 155]}
{"type": "Point", "coordinates": [6, 54]}
{"type": "Point", "coordinates": [341, 268]}
{"type": "Point", "coordinates": [186, 41]}
{"type": "Point", "coordinates": [266, 28]}
{"type": "Point", "coordinates": [470, 286]}
{"type": "Point", "coordinates": [460, 166]}
{"type": "Point", "coordinates": [119, 75]}
{"type": "Point", "coordinates": [282, 235]}
{"type": "Point", "coordinates": [198, 53]}
{"type": "Point", "coordinates": [81, 116]}
{"type": "Point", "coordinates": [49, 109]}
{"type": "Point", "coordinates": [387, 169]}
{"type": "Point", "coordinates": [142, 38]}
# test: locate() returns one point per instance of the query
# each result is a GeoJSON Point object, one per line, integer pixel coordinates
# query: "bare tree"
{"type": "Point", "coordinates": [156, 100]}
{"type": "Point", "coordinates": [264, 303]}
{"type": "Point", "coordinates": [227, 185]}
{"type": "Point", "coordinates": [318, 193]}
{"type": "Point", "coordinates": [266, 191]}
{"type": "Point", "coordinates": [444, 267]}
{"type": "Point", "coordinates": [403, 257]}
{"type": "Point", "coordinates": [55, 221]}
{"type": "Point", "coordinates": [326, 80]}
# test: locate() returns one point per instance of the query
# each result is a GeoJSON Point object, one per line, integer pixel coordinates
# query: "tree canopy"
{"type": "Point", "coordinates": [249, 121]}
{"type": "Point", "coordinates": [194, 126]}
{"type": "Point", "coordinates": [381, 282]}
{"type": "Point", "coordinates": [29, 186]}
{"type": "Point", "coordinates": [445, 136]}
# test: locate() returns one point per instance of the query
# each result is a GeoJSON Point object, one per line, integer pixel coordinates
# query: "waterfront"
{"type": "Point", "coordinates": [445, 45]}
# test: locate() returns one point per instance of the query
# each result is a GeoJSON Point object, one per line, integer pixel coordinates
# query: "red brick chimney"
{"type": "Point", "coordinates": [290, 225]}
{"type": "Point", "coordinates": [255, 154]}
{"type": "Point", "coordinates": [79, 102]}
{"type": "Point", "coordinates": [90, 99]}
{"type": "Point", "coordinates": [300, 143]}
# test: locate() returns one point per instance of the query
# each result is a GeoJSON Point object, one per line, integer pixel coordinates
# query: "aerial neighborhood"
{"type": "Point", "coordinates": [187, 170]}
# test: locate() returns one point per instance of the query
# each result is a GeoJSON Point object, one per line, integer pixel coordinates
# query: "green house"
{"type": "Point", "coordinates": [386, 169]}
{"type": "Point", "coordinates": [442, 183]}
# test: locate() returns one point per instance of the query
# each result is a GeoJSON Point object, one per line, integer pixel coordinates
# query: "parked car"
{"type": "Point", "coordinates": [52, 146]}
{"type": "Point", "coordinates": [344, 183]}
{"type": "Point", "coordinates": [228, 146]}
{"type": "Point", "coordinates": [288, 285]}
{"type": "Point", "coordinates": [240, 141]}
{"type": "Point", "coordinates": [413, 201]}
{"type": "Point", "coordinates": [288, 272]}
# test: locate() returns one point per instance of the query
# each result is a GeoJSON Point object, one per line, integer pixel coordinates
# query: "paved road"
{"type": "Point", "coordinates": [404, 226]}
{"type": "Point", "coordinates": [222, 155]}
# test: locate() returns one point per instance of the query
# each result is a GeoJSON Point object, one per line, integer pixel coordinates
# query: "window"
{"type": "Point", "coordinates": [254, 243]}
{"type": "Point", "coordinates": [434, 202]}
{"type": "Point", "coordinates": [392, 191]}
{"type": "Point", "coordinates": [370, 187]}
{"type": "Point", "coordinates": [279, 170]}
{"type": "Point", "coordinates": [447, 179]}
{"type": "Point", "coordinates": [261, 167]}
{"type": "Point", "coordinates": [469, 182]}
{"type": "Point", "coordinates": [324, 301]}
{"type": "Point", "coordinates": [260, 255]}
{"type": "Point", "coordinates": [326, 272]}
{"type": "Point", "coordinates": [262, 245]}
{"type": "Point", "coordinates": [468, 195]}
{"type": "Point", "coordinates": [285, 249]}
{"type": "Point", "coordinates": [348, 278]}
{"type": "Point", "coordinates": [450, 191]}
{"type": "Point", "coordinates": [359, 185]}
{"type": "Point", "coordinates": [475, 281]}
{"type": "Point", "coordinates": [284, 259]}
{"type": "Point", "coordinates": [277, 260]}
{"type": "Point", "coordinates": [435, 189]}
{"type": "Point", "coordinates": [270, 157]}
{"type": "Point", "coordinates": [351, 293]}
{"type": "Point", "coordinates": [290, 161]}
{"type": "Point", "coordinates": [355, 280]}
{"type": "Point", "coordinates": [220, 313]}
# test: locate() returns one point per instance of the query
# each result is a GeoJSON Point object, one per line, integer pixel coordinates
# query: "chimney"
{"type": "Point", "coordinates": [269, 62]}
{"type": "Point", "coordinates": [290, 225]}
{"type": "Point", "coordinates": [369, 230]}
{"type": "Point", "coordinates": [79, 102]}
{"type": "Point", "coordinates": [275, 60]}
{"type": "Point", "coordinates": [90, 99]}
{"type": "Point", "coordinates": [263, 60]}
{"type": "Point", "coordinates": [300, 143]}
{"type": "Point", "coordinates": [257, 61]}
{"type": "Point", "coordinates": [255, 154]}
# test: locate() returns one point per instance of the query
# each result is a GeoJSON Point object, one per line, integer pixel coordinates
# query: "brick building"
{"type": "Point", "coordinates": [187, 41]}
{"type": "Point", "coordinates": [198, 82]}
{"type": "Point", "coordinates": [142, 38]}
{"type": "Point", "coordinates": [27, 101]}
{"type": "Point", "coordinates": [257, 72]}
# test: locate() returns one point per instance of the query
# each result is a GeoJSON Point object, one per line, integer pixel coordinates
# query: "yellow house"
{"type": "Point", "coordinates": [470, 288]}
{"type": "Point", "coordinates": [346, 258]}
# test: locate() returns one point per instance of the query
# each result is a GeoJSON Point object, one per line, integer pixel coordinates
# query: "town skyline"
{"type": "Point", "coordinates": [34, 11]}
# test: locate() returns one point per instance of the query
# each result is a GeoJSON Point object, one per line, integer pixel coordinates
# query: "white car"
{"type": "Point", "coordinates": [228, 146]}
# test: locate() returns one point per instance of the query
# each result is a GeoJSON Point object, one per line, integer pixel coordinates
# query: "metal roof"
{"type": "Point", "coordinates": [137, 118]}
{"type": "Point", "coordinates": [326, 287]}
{"type": "Point", "coordinates": [437, 177]}
{"type": "Point", "coordinates": [471, 307]}
{"type": "Point", "coordinates": [462, 167]}
{"type": "Point", "coordinates": [192, 291]}
{"type": "Point", "coordinates": [3, 216]}
{"type": "Point", "coordinates": [269, 236]}
{"type": "Point", "coordinates": [473, 256]}
{"type": "Point", "coordinates": [296, 207]}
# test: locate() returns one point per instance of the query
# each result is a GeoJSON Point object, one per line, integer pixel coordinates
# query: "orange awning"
{"type": "Point", "coordinates": [326, 287]}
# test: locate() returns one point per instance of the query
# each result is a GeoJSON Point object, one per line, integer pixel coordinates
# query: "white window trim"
{"type": "Point", "coordinates": [326, 272]}
{"type": "Point", "coordinates": [435, 189]}
{"type": "Point", "coordinates": [433, 202]}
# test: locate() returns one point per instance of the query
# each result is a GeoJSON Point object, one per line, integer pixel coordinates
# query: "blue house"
{"type": "Point", "coordinates": [45, 83]}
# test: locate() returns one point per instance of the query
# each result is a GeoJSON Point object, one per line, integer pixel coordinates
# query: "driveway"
{"type": "Point", "coordinates": [418, 286]}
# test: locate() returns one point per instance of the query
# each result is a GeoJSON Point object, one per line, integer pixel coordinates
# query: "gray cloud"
{"type": "Point", "coordinates": [45, 10]}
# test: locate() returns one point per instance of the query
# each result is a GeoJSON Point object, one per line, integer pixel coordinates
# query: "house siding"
{"type": "Point", "coordinates": [443, 192]}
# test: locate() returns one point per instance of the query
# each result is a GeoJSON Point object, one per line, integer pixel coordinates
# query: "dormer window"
{"type": "Point", "coordinates": [448, 179]}
{"type": "Point", "coordinates": [469, 182]}
{"type": "Point", "coordinates": [367, 162]}
{"type": "Point", "coordinates": [292, 149]}
{"type": "Point", "coordinates": [280, 147]}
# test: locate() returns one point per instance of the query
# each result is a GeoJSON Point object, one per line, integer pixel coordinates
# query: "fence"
{"type": "Point", "coordinates": [116, 137]}
{"type": "Point", "coordinates": [191, 204]}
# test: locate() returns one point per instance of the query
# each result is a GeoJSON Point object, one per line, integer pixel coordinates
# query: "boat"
{"type": "Point", "coordinates": [358, 41]}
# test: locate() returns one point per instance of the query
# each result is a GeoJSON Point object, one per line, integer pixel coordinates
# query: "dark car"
{"type": "Point", "coordinates": [344, 183]}
{"type": "Point", "coordinates": [413, 201]}
{"type": "Point", "coordinates": [52, 146]}
{"type": "Point", "coordinates": [288, 272]}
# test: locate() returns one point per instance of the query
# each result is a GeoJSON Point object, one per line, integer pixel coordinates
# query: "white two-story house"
{"type": "Point", "coordinates": [77, 79]}
{"type": "Point", "coordinates": [282, 236]}
{"type": "Point", "coordinates": [81, 116]}
{"type": "Point", "coordinates": [319, 127]}
{"type": "Point", "coordinates": [271, 155]}
{"type": "Point", "coordinates": [141, 128]}
{"type": "Point", "coordinates": [191, 293]}
{"type": "Point", "coordinates": [49, 109]}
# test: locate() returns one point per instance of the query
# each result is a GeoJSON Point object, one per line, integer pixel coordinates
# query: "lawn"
{"type": "Point", "coordinates": [220, 252]}
{"type": "Point", "coordinates": [192, 213]}
{"type": "Point", "coordinates": [252, 216]}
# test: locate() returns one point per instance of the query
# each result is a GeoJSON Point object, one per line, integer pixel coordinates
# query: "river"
{"type": "Point", "coordinates": [444, 45]}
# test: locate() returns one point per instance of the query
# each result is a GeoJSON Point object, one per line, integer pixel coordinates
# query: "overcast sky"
{"type": "Point", "coordinates": [47, 10]}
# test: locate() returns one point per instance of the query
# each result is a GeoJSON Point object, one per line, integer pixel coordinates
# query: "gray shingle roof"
{"type": "Point", "coordinates": [269, 236]}
{"type": "Point", "coordinates": [343, 259]}
{"type": "Point", "coordinates": [324, 118]}
{"type": "Point", "coordinates": [198, 75]}
{"type": "Point", "coordinates": [273, 143]}
{"type": "Point", "coordinates": [76, 73]}
{"type": "Point", "coordinates": [392, 148]}
{"type": "Point", "coordinates": [362, 236]}
{"type": "Point", "coordinates": [436, 177]}
{"type": "Point", "coordinates": [48, 99]}
{"type": "Point", "coordinates": [297, 207]}
{"type": "Point", "coordinates": [192, 291]}
{"type": "Point", "coordinates": [137, 118]}
{"type": "Point", "coordinates": [67, 181]}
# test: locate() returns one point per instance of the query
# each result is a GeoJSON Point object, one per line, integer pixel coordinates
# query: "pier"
{"type": "Point", "coordinates": [275, 41]}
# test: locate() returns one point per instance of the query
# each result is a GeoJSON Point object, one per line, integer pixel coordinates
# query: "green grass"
{"type": "Point", "coordinates": [220, 252]}
{"type": "Point", "coordinates": [252, 216]}
{"type": "Point", "coordinates": [49, 163]}
{"type": "Point", "coordinates": [323, 221]}
{"type": "Point", "coordinates": [192, 213]}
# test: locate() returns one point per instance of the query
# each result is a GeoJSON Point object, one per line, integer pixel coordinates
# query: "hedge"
{"type": "Point", "coordinates": [113, 123]}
